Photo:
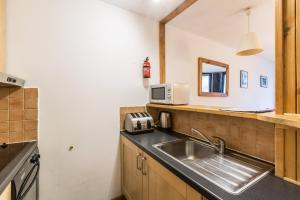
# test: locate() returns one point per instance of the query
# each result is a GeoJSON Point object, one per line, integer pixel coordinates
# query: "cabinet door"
{"type": "Point", "coordinates": [159, 183]}
{"type": "Point", "coordinates": [131, 170]}
{"type": "Point", "coordinates": [194, 195]}
{"type": "Point", "coordinates": [6, 194]}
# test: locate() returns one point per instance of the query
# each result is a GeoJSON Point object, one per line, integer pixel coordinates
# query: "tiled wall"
{"type": "Point", "coordinates": [249, 136]}
{"type": "Point", "coordinates": [18, 114]}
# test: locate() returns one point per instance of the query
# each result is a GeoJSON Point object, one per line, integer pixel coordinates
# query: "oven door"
{"type": "Point", "coordinates": [25, 183]}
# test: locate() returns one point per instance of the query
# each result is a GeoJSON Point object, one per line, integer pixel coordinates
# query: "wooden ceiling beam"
{"type": "Point", "coordinates": [162, 36]}
{"type": "Point", "coordinates": [183, 6]}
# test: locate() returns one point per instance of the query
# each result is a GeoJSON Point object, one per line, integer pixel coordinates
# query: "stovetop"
{"type": "Point", "coordinates": [8, 152]}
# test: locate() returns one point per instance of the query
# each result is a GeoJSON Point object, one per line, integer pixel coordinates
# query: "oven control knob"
{"type": "Point", "coordinates": [4, 145]}
{"type": "Point", "coordinates": [35, 158]}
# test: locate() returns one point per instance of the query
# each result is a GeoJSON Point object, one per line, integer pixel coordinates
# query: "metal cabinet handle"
{"type": "Point", "coordinates": [138, 163]}
{"type": "Point", "coordinates": [144, 171]}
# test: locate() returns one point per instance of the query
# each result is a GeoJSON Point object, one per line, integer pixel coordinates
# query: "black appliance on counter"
{"type": "Point", "coordinates": [25, 185]}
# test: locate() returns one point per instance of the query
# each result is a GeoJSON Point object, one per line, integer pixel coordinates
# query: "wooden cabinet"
{"type": "Point", "coordinates": [159, 183]}
{"type": "Point", "coordinates": [6, 194]}
{"type": "Point", "coordinates": [131, 170]}
{"type": "Point", "coordinates": [143, 178]}
{"type": "Point", "coordinates": [194, 195]}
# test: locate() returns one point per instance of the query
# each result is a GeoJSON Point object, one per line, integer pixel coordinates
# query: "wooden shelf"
{"type": "Point", "coordinates": [271, 117]}
{"type": "Point", "coordinates": [286, 120]}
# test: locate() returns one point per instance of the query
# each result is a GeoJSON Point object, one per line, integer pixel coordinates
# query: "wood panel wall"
{"type": "Point", "coordinates": [287, 140]}
{"type": "Point", "coordinates": [248, 136]}
{"type": "Point", "coordinates": [298, 85]}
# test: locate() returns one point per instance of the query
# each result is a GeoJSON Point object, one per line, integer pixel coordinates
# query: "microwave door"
{"type": "Point", "coordinates": [158, 94]}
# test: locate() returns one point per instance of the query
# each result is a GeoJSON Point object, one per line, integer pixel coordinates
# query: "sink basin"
{"type": "Point", "coordinates": [232, 172]}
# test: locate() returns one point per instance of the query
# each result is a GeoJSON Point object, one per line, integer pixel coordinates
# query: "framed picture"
{"type": "Point", "coordinates": [263, 81]}
{"type": "Point", "coordinates": [243, 79]}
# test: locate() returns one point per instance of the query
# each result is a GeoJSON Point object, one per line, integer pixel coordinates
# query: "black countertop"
{"type": "Point", "coordinates": [268, 188]}
{"type": "Point", "coordinates": [12, 157]}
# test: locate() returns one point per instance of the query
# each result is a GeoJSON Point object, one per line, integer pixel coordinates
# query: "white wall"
{"type": "Point", "coordinates": [85, 56]}
{"type": "Point", "coordinates": [183, 49]}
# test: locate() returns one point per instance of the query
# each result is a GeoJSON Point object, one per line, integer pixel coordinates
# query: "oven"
{"type": "Point", "coordinates": [26, 181]}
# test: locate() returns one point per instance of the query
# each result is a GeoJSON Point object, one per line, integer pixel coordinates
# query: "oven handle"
{"type": "Point", "coordinates": [20, 194]}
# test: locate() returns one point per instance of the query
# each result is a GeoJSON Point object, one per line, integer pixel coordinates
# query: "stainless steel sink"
{"type": "Point", "coordinates": [232, 172]}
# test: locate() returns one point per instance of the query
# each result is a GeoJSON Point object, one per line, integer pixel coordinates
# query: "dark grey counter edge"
{"type": "Point", "coordinates": [8, 173]}
{"type": "Point", "coordinates": [270, 187]}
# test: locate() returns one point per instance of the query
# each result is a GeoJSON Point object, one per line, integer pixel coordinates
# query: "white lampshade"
{"type": "Point", "coordinates": [250, 45]}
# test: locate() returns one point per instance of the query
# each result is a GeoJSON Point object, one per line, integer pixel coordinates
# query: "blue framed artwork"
{"type": "Point", "coordinates": [263, 81]}
{"type": "Point", "coordinates": [243, 79]}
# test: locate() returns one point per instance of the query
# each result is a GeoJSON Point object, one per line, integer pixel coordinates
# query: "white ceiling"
{"type": "Point", "coordinates": [220, 20]}
{"type": "Point", "coordinates": [226, 22]}
{"type": "Point", "coordinates": [155, 9]}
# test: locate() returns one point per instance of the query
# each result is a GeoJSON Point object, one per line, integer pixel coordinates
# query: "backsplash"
{"type": "Point", "coordinates": [125, 110]}
{"type": "Point", "coordinates": [248, 136]}
{"type": "Point", "coordinates": [18, 114]}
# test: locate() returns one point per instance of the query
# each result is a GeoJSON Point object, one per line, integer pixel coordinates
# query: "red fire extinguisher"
{"type": "Point", "coordinates": [146, 68]}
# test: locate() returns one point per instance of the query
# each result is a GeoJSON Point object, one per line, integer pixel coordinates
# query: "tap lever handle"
{"type": "Point", "coordinates": [221, 144]}
{"type": "Point", "coordinates": [220, 140]}
{"type": "Point", "coordinates": [220, 147]}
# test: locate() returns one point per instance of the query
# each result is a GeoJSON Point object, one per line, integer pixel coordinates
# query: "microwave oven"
{"type": "Point", "coordinates": [170, 93]}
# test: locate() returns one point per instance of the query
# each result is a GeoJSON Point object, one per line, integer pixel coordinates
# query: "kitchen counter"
{"type": "Point", "coordinates": [12, 157]}
{"type": "Point", "coordinates": [270, 187]}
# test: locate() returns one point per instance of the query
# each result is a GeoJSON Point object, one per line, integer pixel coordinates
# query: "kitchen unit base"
{"type": "Point", "coordinates": [270, 187]}
{"type": "Point", "coordinates": [143, 178]}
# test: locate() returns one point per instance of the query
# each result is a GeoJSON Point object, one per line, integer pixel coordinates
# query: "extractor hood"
{"type": "Point", "coordinates": [7, 80]}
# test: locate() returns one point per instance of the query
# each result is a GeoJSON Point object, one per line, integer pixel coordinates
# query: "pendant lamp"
{"type": "Point", "coordinates": [250, 43]}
